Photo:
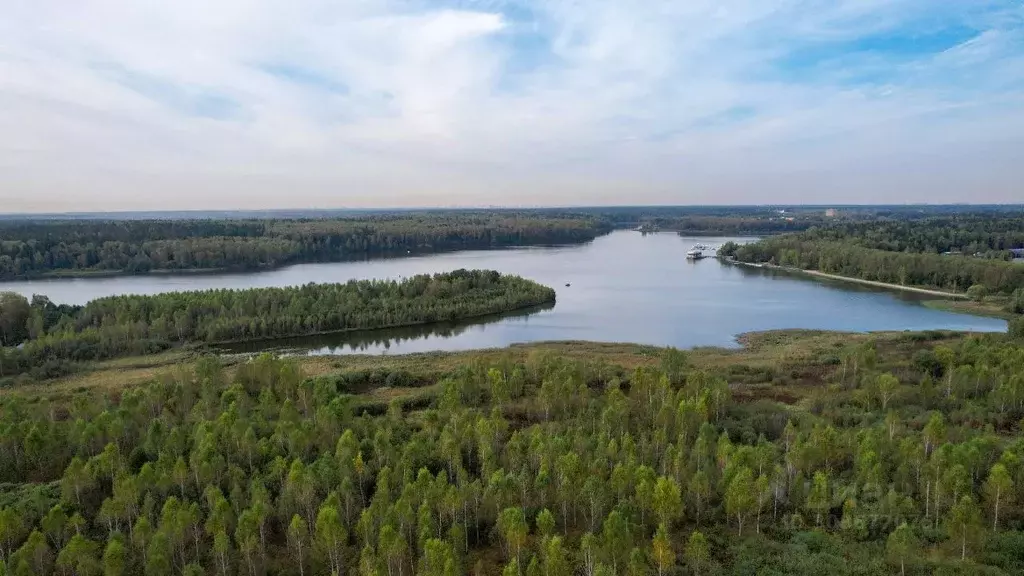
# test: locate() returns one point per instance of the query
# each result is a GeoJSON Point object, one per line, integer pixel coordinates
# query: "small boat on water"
{"type": "Point", "coordinates": [696, 253]}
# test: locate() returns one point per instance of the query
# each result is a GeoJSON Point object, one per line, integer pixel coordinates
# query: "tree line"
{"type": "Point", "coordinates": [40, 335]}
{"type": "Point", "coordinates": [988, 235]}
{"type": "Point", "coordinates": [33, 248]}
{"type": "Point", "coordinates": [849, 258]}
{"type": "Point", "coordinates": [909, 461]}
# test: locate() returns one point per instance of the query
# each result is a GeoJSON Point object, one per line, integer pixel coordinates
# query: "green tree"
{"type": "Point", "coordinates": [114, 558]}
{"type": "Point", "coordinates": [54, 524]}
{"type": "Point", "coordinates": [698, 553]}
{"type": "Point", "coordinates": [887, 387]}
{"type": "Point", "coordinates": [545, 522]}
{"type": "Point", "coordinates": [999, 490]}
{"type": "Point", "coordinates": [901, 547]}
{"type": "Point", "coordinates": [637, 563]}
{"type": "Point", "coordinates": [158, 557]}
{"type": "Point", "coordinates": [222, 550]}
{"type": "Point", "coordinates": [700, 491]}
{"type": "Point", "coordinates": [762, 491]}
{"type": "Point", "coordinates": [439, 559]}
{"type": "Point", "coordinates": [513, 528]}
{"type": "Point", "coordinates": [533, 568]}
{"type": "Point", "coordinates": [589, 551]}
{"type": "Point", "coordinates": [14, 315]}
{"type": "Point", "coordinates": [947, 358]}
{"type": "Point", "coordinates": [298, 536]}
{"type": "Point", "coordinates": [79, 557]}
{"type": "Point", "coordinates": [661, 550]}
{"type": "Point", "coordinates": [330, 537]}
{"type": "Point", "coordinates": [977, 292]}
{"type": "Point", "coordinates": [1016, 327]}
{"type": "Point", "coordinates": [674, 362]}
{"type": "Point", "coordinates": [934, 432]}
{"type": "Point", "coordinates": [668, 503]}
{"type": "Point", "coordinates": [510, 569]}
{"type": "Point", "coordinates": [818, 501]}
{"type": "Point", "coordinates": [33, 557]}
{"type": "Point", "coordinates": [739, 497]}
{"type": "Point", "coordinates": [555, 561]}
{"type": "Point", "coordinates": [75, 482]}
{"type": "Point", "coordinates": [11, 530]}
{"type": "Point", "coordinates": [963, 524]}
{"type": "Point", "coordinates": [616, 539]}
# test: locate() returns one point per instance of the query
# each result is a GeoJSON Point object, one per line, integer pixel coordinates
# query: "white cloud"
{"type": "Point", "coordinates": [113, 105]}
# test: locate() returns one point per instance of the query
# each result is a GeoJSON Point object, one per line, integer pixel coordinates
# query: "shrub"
{"type": "Point", "coordinates": [977, 292]}
{"type": "Point", "coordinates": [1017, 328]}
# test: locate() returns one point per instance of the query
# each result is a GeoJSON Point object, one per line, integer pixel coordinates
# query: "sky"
{"type": "Point", "coordinates": [192, 104]}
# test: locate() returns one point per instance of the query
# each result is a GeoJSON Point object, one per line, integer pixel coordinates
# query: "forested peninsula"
{"type": "Point", "coordinates": [969, 254]}
{"type": "Point", "coordinates": [41, 248]}
{"type": "Point", "coordinates": [42, 337]}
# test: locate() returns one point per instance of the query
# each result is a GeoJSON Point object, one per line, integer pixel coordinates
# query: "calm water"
{"type": "Point", "coordinates": [625, 287]}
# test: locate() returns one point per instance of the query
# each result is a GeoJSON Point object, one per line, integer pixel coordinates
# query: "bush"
{"type": "Point", "coordinates": [1017, 301]}
{"type": "Point", "coordinates": [1017, 328]}
{"type": "Point", "coordinates": [977, 292]}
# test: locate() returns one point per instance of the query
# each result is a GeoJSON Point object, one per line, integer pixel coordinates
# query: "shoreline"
{"type": "Point", "coordinates": [526, 308]}
{"type": "Point", "coordinates": [116, 374]}
{"type": "Point", "coordinates": [89, 274]}
{"type": "Point", "coordinates": [875, 283]}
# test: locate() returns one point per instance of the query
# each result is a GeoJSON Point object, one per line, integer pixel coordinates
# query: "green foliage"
{"type": "Point", "coordinates": [545, 522]}
{"type": "Point", "coordinates": [740, 498]}
{"type": "Point", "coordinates": [963, 526]}
{"type": "Point", "coordinates": [977, 292]}
{"type": "Point", "coordinates": [259, 470]}
{"type": "Point", "coordinates": [902, 546]}
{"type": "Point", "coordinates": [661, 550]}
{"type": "Point", "coordinates": [14, 316]}
{"type": "Point", "coordinates": [698, 552]}
{"type": "Point", "coordinates": [120, 325]}
{"type": "Point", "coordinates": [1016, 328]}
{"type": "Point", "coordinates": [37, 248]}
{"type": "Point", "coordinates": [882, 253]}
{"type": "Point", "coordinates": [1016, 305]}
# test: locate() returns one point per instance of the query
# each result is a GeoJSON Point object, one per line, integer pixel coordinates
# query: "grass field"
{"type": "Point", "coordinates": [784, 365]}
{"type": "Point", "coordinates": [992, 306]}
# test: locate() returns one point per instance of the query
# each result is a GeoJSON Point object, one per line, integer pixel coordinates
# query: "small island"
{"type": "Point", "coordinates": [47, 335]}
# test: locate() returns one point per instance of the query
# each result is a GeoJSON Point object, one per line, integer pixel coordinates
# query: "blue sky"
{"type": "Point", "coordinates": [311, 103]}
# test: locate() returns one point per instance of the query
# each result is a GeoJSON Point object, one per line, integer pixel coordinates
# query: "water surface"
{"type": "Point", "coordinates": [624, 287]}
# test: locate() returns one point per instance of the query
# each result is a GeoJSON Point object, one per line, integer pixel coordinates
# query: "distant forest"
{"type": "Point", "coordinates": [94, 245]}
{"type": "Point", "coordinates": [970, 234]}
{"type": "Point", "coordinates": [34, 248]}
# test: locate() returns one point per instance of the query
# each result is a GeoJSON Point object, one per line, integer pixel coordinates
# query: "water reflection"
{"type": "Point", "coordinates": [379, 341]}
{"type": "Point", "coordinates": [832, 283]}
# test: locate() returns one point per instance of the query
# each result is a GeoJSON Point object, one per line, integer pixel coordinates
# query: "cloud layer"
{"type": "Point", "coordinates": [251, 104]}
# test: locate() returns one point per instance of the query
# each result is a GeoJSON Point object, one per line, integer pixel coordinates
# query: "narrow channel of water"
{"type": "Point", "coordinates": [622, 287]}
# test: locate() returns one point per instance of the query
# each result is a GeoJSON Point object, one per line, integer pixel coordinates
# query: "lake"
{"type": "Point", "coordinates": [623, 287]}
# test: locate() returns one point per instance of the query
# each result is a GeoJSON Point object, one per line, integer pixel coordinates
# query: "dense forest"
{"type": "Point", "coordinates": [905, 459]}
{"type": "Point", "coordinates": [957, 252]}
{"type": "Point", "coordinates": [52, 246]}
{"type": "Point", "coordinates": [32, 248]}
{"type": "Point", "coordinates": [971, 234]}
{"type": "Point", "coordinates": [847, 258]}
{"type": "Point", "coordinates": [41, 336]}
